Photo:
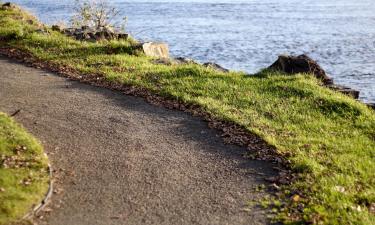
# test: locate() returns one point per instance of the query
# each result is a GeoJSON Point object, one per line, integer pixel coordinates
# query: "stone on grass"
{"type": "Point", "coordinates": [215, 66]}
{"type": "Point", "coordinates": [164, 61]}
{"type": "Point", "coordinates": [300, 64]}
{"type": "Point", "coordinates": [304, 64]}
{"type": "Point", "coordinates": [8, 5]}
{"type": "Point", "coordinates": [345, 90]}
{"type": "Point", "coordinates": [154, 49]}
{"type": "Point", "coordinates": [183, 60]}
{"type": "Point", "coordinates": [56, 28]}
{"type": "Point", "coordinates": [86, 33]}
{"type": "Point", "coordinates": [371, 105]}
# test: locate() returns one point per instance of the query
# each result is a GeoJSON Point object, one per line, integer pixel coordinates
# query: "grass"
{"type": "Point", "coordinates": [329, 138]}
{"type": "Point", "coordinates": [23, 171]}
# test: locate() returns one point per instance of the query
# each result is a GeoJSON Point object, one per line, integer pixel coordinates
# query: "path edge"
{"type": "Point", "coordinates": [43, 203]}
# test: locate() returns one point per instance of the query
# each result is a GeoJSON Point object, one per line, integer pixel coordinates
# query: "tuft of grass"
{"type": "Point", "coordinates": [329, 138]}
{"type": "Point", "coordinates": [23, 171]}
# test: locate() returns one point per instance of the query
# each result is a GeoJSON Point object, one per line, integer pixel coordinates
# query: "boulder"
{"type": "Point", "coordinates": [345, 90]}
{"type": "Point", "coordinates": [153, 49]}
{"type": "Point", "coordinates": [57, 28]}
{"type": "Point", "coordinates": [300, 64]}
{"type": "Point", "coordinates": [8, 5]}
{"type": "Point", "coordinates": [215, 66]}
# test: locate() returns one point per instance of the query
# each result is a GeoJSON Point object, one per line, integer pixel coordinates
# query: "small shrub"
{"type": "Point", "coordinates": [97, 14]}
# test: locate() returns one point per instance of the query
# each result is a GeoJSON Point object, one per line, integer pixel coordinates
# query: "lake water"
{"type": "Point", "coordinates": [249, 35]}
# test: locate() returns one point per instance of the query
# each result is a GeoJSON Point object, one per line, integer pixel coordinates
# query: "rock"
{"type": "Point", "coordinates": [215, 66]}
{"type": "Point", "coordinates": [57, 28]}
{"type": "Point", "coordinates": [300, 64]}
{"type": "Point", "coordinates": [105, 33]}
{"type": "Point", "coordinates": [371, 105]}
{"type": "Point", "coordinates": [153, 49]}
{"type": "Point", "coordinates": [123, 36]}
{"type": "Point", "coordinates": [183, 60]}
{"type": "Point", "coordinates": [68, 31]}
{"type": "Point", "coordinates": [8, 5]}
{"type": "Point", "coordinates": [163, 61]}
{"type": "Point", "coordinates": [84, 28]}
{"type": "Point", "coordinates": [345, 90]}
{"type": "Point", "coordinates": [86, 33]}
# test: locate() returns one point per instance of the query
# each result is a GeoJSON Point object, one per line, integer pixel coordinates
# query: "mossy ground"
{"type": "Point", "coordinates": [23, 171]}
{"type": "Point", "coordinates": [329, 138]}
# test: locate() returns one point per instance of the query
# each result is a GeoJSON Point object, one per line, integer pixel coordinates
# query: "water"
{"type": "Point", "coordinates": [249, 35]}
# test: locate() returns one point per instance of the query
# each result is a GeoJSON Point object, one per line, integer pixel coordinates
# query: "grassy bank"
{"type": "Point", "coordinates": [23, 171]}
{"type": "Point", "coordinates": [328, 137]}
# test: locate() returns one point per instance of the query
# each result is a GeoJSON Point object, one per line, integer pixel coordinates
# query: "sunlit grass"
{"type": "Point", "coordinates": [328, 137]}
{"type": "Point", "coordinates": [23, 171]}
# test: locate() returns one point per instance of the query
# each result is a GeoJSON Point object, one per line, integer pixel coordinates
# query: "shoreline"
{"type": "Point", "coordinates": [333, 61]}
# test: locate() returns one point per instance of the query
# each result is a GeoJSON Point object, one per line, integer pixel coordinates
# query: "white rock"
{"type": "Point", "coordinates": [153, 49]}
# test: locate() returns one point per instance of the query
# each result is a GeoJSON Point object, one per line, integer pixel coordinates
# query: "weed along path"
{"type": "Point", "coordinates": [120, 160]}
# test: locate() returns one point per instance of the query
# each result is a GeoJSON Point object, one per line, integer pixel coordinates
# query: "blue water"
{"type": "Point", "coordinates": [249, 35]}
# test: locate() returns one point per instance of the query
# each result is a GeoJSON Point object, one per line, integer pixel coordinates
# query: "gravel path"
{"type": "Point", "coordinates": [120, 160]}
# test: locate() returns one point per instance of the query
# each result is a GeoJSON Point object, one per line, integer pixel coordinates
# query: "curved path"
{"type": "Point", "coordinates": [120, 160]}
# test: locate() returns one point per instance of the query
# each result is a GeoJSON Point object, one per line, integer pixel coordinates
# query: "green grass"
{"type": "Point", "coordinates": [23, 171]}
{"type": "Point", "coordinates": [328, 137]}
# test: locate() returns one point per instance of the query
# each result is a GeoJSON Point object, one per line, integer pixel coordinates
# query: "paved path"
{"type": "Point", "coordinates": [120, 160]}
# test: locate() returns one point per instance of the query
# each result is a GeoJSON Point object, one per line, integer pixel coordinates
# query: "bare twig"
{"type": "Point", "coordinates": [15, 113]}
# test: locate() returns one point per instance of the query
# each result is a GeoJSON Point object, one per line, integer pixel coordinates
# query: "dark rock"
{"type": "Point", "coordinates": [215, 67]}
{"type": "Point", "coordinates": [183, 60]}
{"type": "Point", "coordinates": [83, 28]}
{"type": "Point", "coordinates": [71, 32]}
{"type": "Point", "coordinates": [105, 33]}
{"type": "Point", "coordinates": [86, 33]}
{"type": "Point", "coordinates": [300, 64]}
{"type": "Point", "coordinates": [8, 5]}
{"type": "Point", "coordinates": [123, 36]}
{"type": "Point", "coordinates": [345, 90]}
{"type": "Point", "coordinates": [371, 105]}
{"type": "Point", "coordinates": [56, 28]}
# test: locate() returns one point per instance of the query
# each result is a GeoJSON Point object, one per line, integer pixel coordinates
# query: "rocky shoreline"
{"type": "Point", "coordinates": [304, 64]}
{"type": "Point", "coordinates": [285, 63]}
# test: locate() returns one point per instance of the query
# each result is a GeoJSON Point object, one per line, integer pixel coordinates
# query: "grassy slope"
{"type": "Point", "coordinates": [330, 137]}
{"type": "Point", "coordinates": [23, 177]}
